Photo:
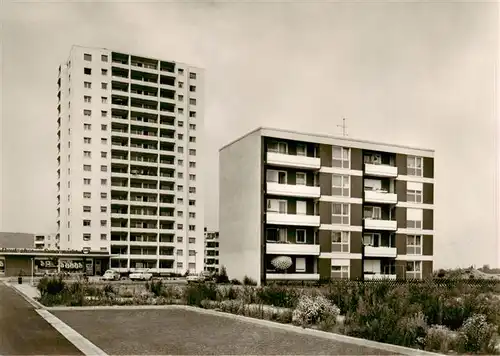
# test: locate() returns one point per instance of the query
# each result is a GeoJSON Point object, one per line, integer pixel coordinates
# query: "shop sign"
{"type": "Point", "coordinates": [2, 266]}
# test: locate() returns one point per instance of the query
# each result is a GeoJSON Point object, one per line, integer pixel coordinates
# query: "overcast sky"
{"type": "Point", "coordinates": [414, 74]}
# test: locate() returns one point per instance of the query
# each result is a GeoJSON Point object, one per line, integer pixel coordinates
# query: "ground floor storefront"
{"type": "Point", "coordinates": [14, 263]}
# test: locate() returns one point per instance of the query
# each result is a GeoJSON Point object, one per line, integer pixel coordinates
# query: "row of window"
{"type": "Point", "coordinates": [341, 242]}
{"type": "Point", "coordinates": [413, 270]}
{"type": "Point", "coordinates": [104, 71]}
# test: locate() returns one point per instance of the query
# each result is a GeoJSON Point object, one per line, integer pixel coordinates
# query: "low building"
{"type": "Point", "coordinates": [297, 206]}
{"type": "Point", "coordinates": [211, 251]}
{"type": "Point", "coordinates": [36, 262]}
{"type": "Point", "coordinates": [47, 241]}
{"type": "Point", "coordinates": [16, 240]}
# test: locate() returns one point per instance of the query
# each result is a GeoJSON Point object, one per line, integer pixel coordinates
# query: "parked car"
{"type": "Point", "coordinates": [111, 275]}
{"type": "Point", "coordinates": [143, 275]}
{"type": "Point", "coordinates": [198, 278]}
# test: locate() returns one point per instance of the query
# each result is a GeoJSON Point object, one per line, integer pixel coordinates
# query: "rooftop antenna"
{"type": "Point", "coordinates": [344, 127]}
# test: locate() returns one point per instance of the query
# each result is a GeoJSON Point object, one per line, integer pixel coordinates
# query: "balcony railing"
{"type": "Point", "coordinates": [375, 276]}
{"type": "Point", "coordinates": [379, 224]}
{"type": "Point", "coordinates": [275, 218]}
{"type": "Point", "coordinates": [381, 251]}
{"type": "Point", "coordinates": [293, 276]}
{"type": "Point", "coordinates": [292, 249]}
{"type": "Point", "coordinates": [292, 190]}
{"type": "Point", "coordinates": [381, 170]}
{"type": "Point", "coordinates": [293, 161]}
{"type": "Point", "coordinates": [380, 196]}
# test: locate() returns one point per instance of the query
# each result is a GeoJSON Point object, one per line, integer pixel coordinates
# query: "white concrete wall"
{"type": "Point", "coordinates": [240, 188]}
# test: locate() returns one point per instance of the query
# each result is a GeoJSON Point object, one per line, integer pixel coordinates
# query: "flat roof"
{"type": "Point", "coordinates": [39, 252]}
{"type": "Point", "coordinates": [313, 137]}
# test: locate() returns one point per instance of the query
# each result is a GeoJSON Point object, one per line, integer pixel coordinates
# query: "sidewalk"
{"type": "Point", "coordinates": [26, 289]}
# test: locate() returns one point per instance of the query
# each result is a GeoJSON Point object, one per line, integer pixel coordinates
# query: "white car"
{"type": "Point", "coordinates": [140, 276]}
{"type": "Point", "coordinates": [111, 275]}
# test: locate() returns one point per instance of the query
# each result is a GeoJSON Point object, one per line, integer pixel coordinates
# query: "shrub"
{"type": "Point", "coordinates": [278, 296]}
{"type": "Point", "coordinates": [247, 281]}
{"type": "Point", "coordinates": [196, 293]}
{"type": "Point", "coordinates": [477, 335]}
{"type": "Point", "coordinates": [155, 287]}
{"type": "Point", "coordinates": [173, 292]}
{"type": "Point", "coordinates": [227, 293]}
{"type": "Point", "coordinates": [315, 310]}
{"type": "Point", "coordinates": [222, 277]}
{"type": "Point", "coordinates": [51, 286]}
{"type": "Point", "coordinates": [235, 282]}
{"type": "Point", "coordinates": [440, 338]}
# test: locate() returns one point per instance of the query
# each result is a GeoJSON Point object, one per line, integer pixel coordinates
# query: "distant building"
{"type": "Point", "coordinates": [297, 206]}
{"type": "Point", "coordinates": [16, 240]}
{"type": "Point", "coordinates": [47, 241]}
{"type": "Point", "coordinates": [211, 251]}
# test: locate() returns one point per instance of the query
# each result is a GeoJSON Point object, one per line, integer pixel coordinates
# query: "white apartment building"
{"type": "Point", "coordinates": [212, 251]}
{"type": "Point", "coordinates": [128, 139]}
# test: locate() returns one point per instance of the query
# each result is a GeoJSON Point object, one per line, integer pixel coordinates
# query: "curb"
{"type": "Point", "coordinates": [400, 350]}
{"type": "Point", "coordinates": [33, 302]}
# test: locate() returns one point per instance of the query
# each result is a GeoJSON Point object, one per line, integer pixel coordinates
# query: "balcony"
{"type": "Point", "coordinates": [377, 276]}
{"type": "Point", "coordinates": [379, 224]}
{"type": "Point", "coordinates": [274, 218]}
{"type": "Point", "coordinates": [381, 170]}
{"type": "Point", "coordinates": [293, 276]}
{"type": "Point", "coordinates": [293, 161]}
{"type": "Point", "coordinates": [292, 249]}
{"type": "Point", "coordinates": [380, 251]}
{"type": "Point", "coordinates": [292, 190]}
{"type": "Point", "coordinates": [381, 197]}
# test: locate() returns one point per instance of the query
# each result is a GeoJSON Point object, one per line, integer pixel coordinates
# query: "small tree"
{"type": "Point", "coordinates": [222, 277]}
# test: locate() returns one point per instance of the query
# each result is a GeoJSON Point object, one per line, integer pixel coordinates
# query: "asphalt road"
{"type": "Point", "coordinates": [24, 332]}
{"type": "Point", "coordinates": [181, 332]}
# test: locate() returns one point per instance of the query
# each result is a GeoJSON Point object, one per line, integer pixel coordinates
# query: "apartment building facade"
{"type": "Point", "coordinates": [296, 206]}
{"type": "Point", "coordinates": [46, 241]}
{"type": "Point", "coordinates": [128, 138]}
{"type": "Point", "coordinates": [211, 251]}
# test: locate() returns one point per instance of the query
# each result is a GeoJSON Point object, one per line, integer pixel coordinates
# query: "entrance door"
{"type": "Point", "coordinates": [98, 269]}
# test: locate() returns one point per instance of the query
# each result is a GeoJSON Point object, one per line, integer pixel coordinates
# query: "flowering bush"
{"type": "Point", "coordinates": [440, 338]}
{"type": "Point", "coordinates": [315, 310]}
{"type": "Point", "coordinates": [478, 336]}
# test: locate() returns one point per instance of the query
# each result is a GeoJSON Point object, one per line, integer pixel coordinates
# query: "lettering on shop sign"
{"type": "Point", "coordinates": [71, 265]}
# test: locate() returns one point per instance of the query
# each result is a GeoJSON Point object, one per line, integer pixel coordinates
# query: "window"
{"type": "Point", "coordinates": [192, 227]}
{"type": "Point", "coordinates": [180, 136]}
{"type": "Point", "coordinates": [413, 270]}
{"type": "Point", "coordinates": [180, 226]}
{"type": "Point", "coordinates": [180, 239]}
{"type": "Point", "coordinates": [180, 149]}
{"type": "Point", "coordinates": [277, 147]}
{"type": "Point", "coordinates": [180, 111]}
{"type": "Point", "coordinates": [340, 272]}
{"type": "Point", "coordinates": [104, 85]}
{"type": "Point", "coordinates": [86, 181]}
{"type": "Point", "coordinates": [104, 58]}
{"type": "Point", "coordinates": [192, 267]}
{"type": "Point", "coordinates": [104, 209]}
{"type": "Point", "coordinates": [340, 157]}
{"type": "Point", "coordinates": [192, 253]}
{"type": "Point", "coordinates": [180, 214]}
{"type": "Point", "coordinates": [86, 222]}
{"type": "Point", "coordinates": [192, 88]}
{"type": "Point", "coordinates": [87, 154]}
{"type": "Point", "coordinates": [340, 185]}
{"type": "Point", "coordinates": [104, 100]}
{"type": "Point", "coordinates": [180, 175]}
{"type": "Point", "coordinates": [192, 101]}
{"type": "Point", "coordinates": [180, 201]}
{"type": "Point", "coordinates": [87, 85]}
{"type": "Point", "coordinates": [104, 113]}
{"type": "Point", "coordinates": [86, 237]}
{"type": "Point", "coordinates": [87, 71]}
{"type": "Point", "coordinates": [180, 97]}
{"type": "Point", "coordinates": [180, 123]}
{"type": "Point", "coordinates": [340, 214]}
{"type": "Point", "coordinates": [192, 202]}
{"type": "Point", "coordinates": [104, 141]}
{"type": "Point", "coordinates": [192, 127]}
{"type": "Point", "coordinates": [87, 112]}
{"type": "Point", "coordinates": [301, 149]}
{"type": "Point", "coordinates": [180, 162]}
{"type": "Point", "coordinates": [87, 167]}
{"type": "Point", "coordinates": [103, 223]}
{"type": "Point", "coordinates": [104, 181]}
{"type": "Point", "coordinates": [87, 98]}
{"type": "Point", "coordinates": [279, 177]}
{"type": "Point", "coordinates": [192, 240]}
{"type": "Point", "coordinates": [181, 85]}
{"type": "Point", "coordinates": [372, 212]}
{"type": "Point", "coordinates": [87, 127]}
{"type": "Point", "coordinates": [340, 241]}
{"type": "Point", "coordinates": [300, 264]}
{"type": "Point", "coordinates": [414, 166]}
{"type": "Point", "coordinates": [179, 265]}
{"type": "Point", "coordinates": [103, 237]}
{"type": "Point", "coordinates": [413, 196]}
{"type": "Point", "coordinates": [192, 164]}
{"type": "Point", "coordinates": [87, 209]}
{"type": "Point", "coordinates": [192, 177]}
{"type": "Point", "coordinates": [276, 235]}
{"type": "Point", "coordinates": [104, 195]}
{"type": "Point", "coordinates": [192, 75]}
{"type": "Point", "coordinates": [301, 207]}
{"type": "Point", "coordinates": [87, 195]}
{"type": "Point", "coordinates": [192, 190]}
{"type": "Point", "coordinates": [277, 206]}
{"type": "Point", "coordinates": [414, 245]}
{"type": "Point", "coordinates": [192, 215]}
{"type": "Point", "coordinates": [301, 178]}
{"type": "Point", "coordinates": [180, 188]}
{"type": "Point", "coordinates": [104, 154]}
{"type": "Point", "coordinates": [192, 152]}
{"type": "Point", "coordinates": [87, 57]}
{"type": "Point", "coordinates": [192, 139]}
{"type": "Point", "coordinates": [180, 71]}
{"type": "Point", "coordinates": [104, 71]}
{"type": "Point", "coordinates": [414, 218]}
{"type": "Point", "coordinates": [104, 168]}
{"type": "Point", "coordinates": [104, 127]}
{"type": "Point", "coordinates": [300, 236]}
